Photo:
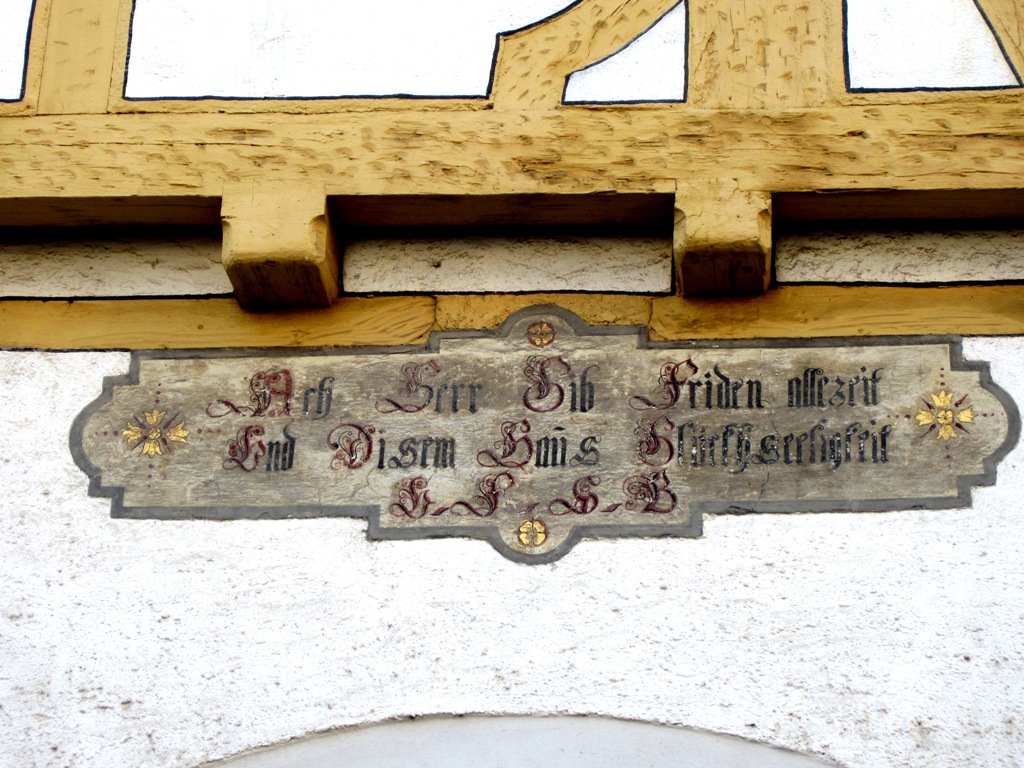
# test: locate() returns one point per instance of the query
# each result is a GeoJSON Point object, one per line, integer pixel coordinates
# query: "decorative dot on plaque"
{"type": "Point", "coordinates": [541, 333]}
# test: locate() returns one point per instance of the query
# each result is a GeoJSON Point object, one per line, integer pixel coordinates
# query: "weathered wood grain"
{"type": "Point", "coordinates": [79, 60]}
{"type": "Point", "coordinates": [490, 311]}
{"type": "Point", "coordinates": [279, 248]}
{"type": "Point", "coordinates": [1007, 20]}
{"type": "Point", "coordinates": [788, 312]}
{"type": "Point", "coordinates": [768, 114]}
{"type": "Point", "coordinates": [209, 323]}
{"type": "Point", "coordinates": [971, 145]}
{"type": "Point", "coordinates": [755, 54]}
{"type": "Point", "coordinates": [723, 239]}
{"type": "Point", "coordinates": [818, 311]}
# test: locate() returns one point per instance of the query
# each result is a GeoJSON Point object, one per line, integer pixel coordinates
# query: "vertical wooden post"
{"type": "Point", "coordinates": [757, 54]}
{"type": "Point", "coordinates": [748, 55]}
{"type": "Point", "coordinates": [79, 57]}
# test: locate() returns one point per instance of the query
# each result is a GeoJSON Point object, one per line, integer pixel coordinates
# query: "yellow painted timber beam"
{"type": "Point", "coordinates": [787, 312]}
{"type": "Point", "coordinates": [977, 144]}
{"type": "Point", "coordinates": [79, 61]}
{"type": "Point", "coordinates": [723, 239]}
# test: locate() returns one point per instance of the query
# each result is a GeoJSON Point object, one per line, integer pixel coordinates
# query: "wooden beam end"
{"type": "Point", "coordinates": [723, 241]}
{"type": "Point", "coordinates": [279, 250]}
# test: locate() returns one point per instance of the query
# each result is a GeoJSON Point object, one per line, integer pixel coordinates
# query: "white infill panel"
{"type": "Point", "coordinates": [922, 44]}
{"type": "Point", "coordinates": [16, 16]}
{"type": "Point", "coordinates": [319, 48]}
{"type": "Point", "coordinates": [72, 264]}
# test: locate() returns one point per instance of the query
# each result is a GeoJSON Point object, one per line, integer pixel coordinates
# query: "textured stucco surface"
{"type": "Point", "coordinates": [58, 263]}
{"type": "Point", "coordinates": [508, 264]}
{"type": "Point", "coordinates": [872, 640]}
{"type": "Point", "coordinates": [893, 255]}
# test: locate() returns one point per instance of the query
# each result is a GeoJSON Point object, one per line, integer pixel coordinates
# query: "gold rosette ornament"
{"type": "Point", "coordinates": [944, 415]}
{"type": "Point", "coordinates": [532, 533]}
{"type": "Point", "coordinates": [155, 434]}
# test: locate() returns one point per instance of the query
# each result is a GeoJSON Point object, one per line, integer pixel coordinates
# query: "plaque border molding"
{"type": "Point", "coordinates": [580, 531]}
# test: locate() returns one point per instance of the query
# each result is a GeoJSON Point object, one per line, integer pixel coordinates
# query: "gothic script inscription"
{"type": "Point", "coordinates": [545, 431]}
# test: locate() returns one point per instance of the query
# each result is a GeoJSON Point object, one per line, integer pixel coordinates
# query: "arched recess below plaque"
{"type": "Point", "coordinates": [518, 742]}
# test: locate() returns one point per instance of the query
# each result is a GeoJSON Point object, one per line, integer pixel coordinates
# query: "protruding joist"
{"type": "Point", "coordinates": [723, 239]}
{"type": "Point", "coordinates": [279, 249]}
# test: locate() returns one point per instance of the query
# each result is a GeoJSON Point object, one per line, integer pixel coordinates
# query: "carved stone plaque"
{"type": "Point", "coordinates": [545, 431]}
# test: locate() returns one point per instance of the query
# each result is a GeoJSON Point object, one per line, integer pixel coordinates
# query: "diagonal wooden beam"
{"type": "Point", "coordinates": [532, 64]}
{"type": "Point", "coordinates": [1006, 18]}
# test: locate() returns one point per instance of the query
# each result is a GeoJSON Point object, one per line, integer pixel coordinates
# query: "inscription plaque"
{"type": "Point", "coordinates": [545, 431]}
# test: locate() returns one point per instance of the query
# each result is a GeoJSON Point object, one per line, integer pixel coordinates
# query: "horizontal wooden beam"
{"type": "Point", "coordinates": [210, 323]}
{"type": "Point", "coordinates": [787, 312]}
{"type": "Point", "coordinates": [820, 311]}
{"type": "Point", "coordinates": [977, 144]}
{"type": "Point", "coordinates": [887, 204]}
{"type": "Point", "coordinates": [52, 211]}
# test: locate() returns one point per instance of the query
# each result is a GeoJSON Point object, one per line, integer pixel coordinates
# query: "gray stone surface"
{"type": "Point", "coordinates": [888, 255]}
{"type": "Point", "coordinates": [508, 264]}
{"type": "Point", "coordinates": [81, 263]}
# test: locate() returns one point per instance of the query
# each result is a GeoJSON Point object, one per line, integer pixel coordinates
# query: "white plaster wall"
{"type": "Point", "coordinates": [13, 39]}
{"type": "Point", "coordinates": [888, 639]}
{"type": "Point", "coordinates": [263, 48]}
{"type": "Point", "coordinates": [508, 264]}
{"type": "Point", "coordinates": [77, 263]}
{"type": "Point", "coordinates": [922, 44]}
{"type": "Point", "coordinates": [894, 255]}
{"type": "Point", "coordinates": [323, 48]}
